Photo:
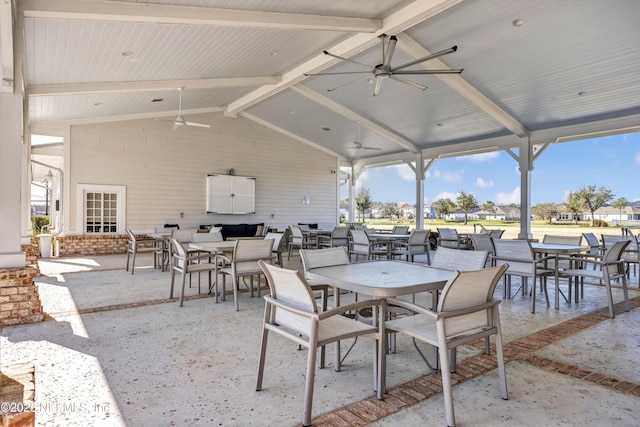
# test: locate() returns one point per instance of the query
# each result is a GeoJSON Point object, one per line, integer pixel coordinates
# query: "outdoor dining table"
{"type": "Point", "coordinates": [380, 279]}
{"type": "Point", "coordinates": [556, 249]}
{"type": "Point", "coordinates": [388, 238]}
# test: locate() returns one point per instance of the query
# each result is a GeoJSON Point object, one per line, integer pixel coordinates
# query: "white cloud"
{"type": "Point", "coordinates": [363, 178]}
{"type": "Point", "coordinates": [448, 176]}
{"type": "Point", "coordinates": [508, 198]}
{"type": "Point", "coordinates": [405, 172]}
{"type": "Point", "coordinates": [484, 184]}
{"type": "Point", "coordinates": [638, 157]}
{"type": "Point", "coordinates": [481, 157]}
{"type": "Point", "coordinates": [446, 195]}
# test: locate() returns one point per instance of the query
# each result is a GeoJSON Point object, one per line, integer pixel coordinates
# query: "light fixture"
{"type": "Point", "coordinates": [232, 171]}
{"type": "Point", "coordinates": [517, 22]}
{"type": "Point", "coordinates": [127, 53]}
{"type": "Point", "coordinates": [49, 177]}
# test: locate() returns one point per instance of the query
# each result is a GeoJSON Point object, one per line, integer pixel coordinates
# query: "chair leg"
{"type": "Point", "coordinates": [504, 392]}
{"type": "Point", "coordinates": [133, 260]}
{"type": "Point", "coordinates": [612, 313]}
{"type": "Point", "coordinates": [625, 291]}
{"type": "Point", "coordinates": [263, 352]}
{"type": "Point", "coordinates": [182, 289]}
{"type": "Point", "coordinates": [128, 254]}
{"type": "Point", "coordinates": [308, 388]}
{"type": "Point", "coordinates": [235, 284]}
{"type": "Point", "coordinates": [173, 278]}
{"type": "Point", "coordinates": [445, 372]}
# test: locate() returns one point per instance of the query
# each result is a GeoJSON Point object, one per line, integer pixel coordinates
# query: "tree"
{"type": "Point", "coordinates": [443, 207]}
{"type": "Point", "coordinates": [593, 198]}
{"type": "Point", "coordinates": [363, 201]}
{"type": "Point", "coordinates": [389, 210]}
{"type": "Point", "coordinates": [621, 203]}
{"type": "Point", "coordinates": [545, 210]}
{"type": "Point", "coordinates": [574, 205]}
{"type": "Point", "coordinates": [466, 203]}
{"type": "Point", "coordinates": [489, 207]}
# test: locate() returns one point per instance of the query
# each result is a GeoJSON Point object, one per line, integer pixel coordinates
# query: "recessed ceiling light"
{"type": "Point", "coordinates": [127, 53]}
{"type": "Point", "coordinates": [157, 100]}
{"type": "Point", "coordinates": [582, 93]}
{"type": "Point", "coordinates": [517, 22]}
{"type": "Point", "coordinates": [292, 112]}
{"type": "Point", "coordinates": [97, 103]}
{"type": "Point", "coordinates": [325, 128]}
{"type": "Point", "coordinates": [273, 53]}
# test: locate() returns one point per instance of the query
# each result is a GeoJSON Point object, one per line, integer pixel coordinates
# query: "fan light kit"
{"type": "Point", "coordinates": [385, 70]}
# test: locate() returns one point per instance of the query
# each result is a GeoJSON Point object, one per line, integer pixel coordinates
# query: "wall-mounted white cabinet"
{"type": "Point", "coordinates": [228, 194]}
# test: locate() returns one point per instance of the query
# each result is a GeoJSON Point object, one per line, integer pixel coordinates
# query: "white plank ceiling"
{"type": "Point", "coordinates": [570, 68]}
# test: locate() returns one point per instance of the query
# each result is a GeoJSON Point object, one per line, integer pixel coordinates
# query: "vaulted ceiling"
{"type": "Point", "coordinates": [544, 70]}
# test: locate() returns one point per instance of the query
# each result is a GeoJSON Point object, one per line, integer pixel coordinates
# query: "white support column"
{"type": "Point", "coordinates": [11, 176]}
{"type": "Point", "coordinates": [419, 192]}
{"type": "Point", "coordinates": [352, 195]}
{"type": "Point", "coordinates": [525, 160]}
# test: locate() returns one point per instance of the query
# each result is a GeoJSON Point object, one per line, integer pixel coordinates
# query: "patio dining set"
{"type": "Point", "coordinates": [379, 291]}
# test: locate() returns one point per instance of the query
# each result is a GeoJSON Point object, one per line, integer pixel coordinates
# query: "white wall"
{"type": "Point", "coordinates": [165, 172]}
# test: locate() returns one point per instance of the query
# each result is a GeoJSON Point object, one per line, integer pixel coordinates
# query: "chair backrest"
{"type": "Point", "coordinates": [359, 241]}
{"type": "Point", "coordinates": [206, 237]}
{"type": "Point", "coordinates": [614, 253]}
{"type": "Point", "coordinates": [215, 230]}
{"type": "Point", "coordinates": [289, 287]}
{"type": "Point", "coordinates": [183, 236]}
{"type": "Point", "coordinates": [304, 227]}
{"type": "Point", "coordinates": [400, 229]}
{"type": "Point", "coordinates": [419, 237]}
{"type": "Point", "coordinates": [609, 239]}
{"type": "Point", "coordinates": [467, 289]}
{"type": "Point", "coordinates": [481, 242]}
{"type": "Point", "coordinates": [132, 237]}
{"type": "Point", "coordinates": [496, 234]}
{"type": "Point", "coordinates": [562, 240]}
{"type": "Point", "coordinates": [340, 236]}
{"type": "Point", "coordinates": [519, 254]}
{"type": "Point", "coordinates": [296, 234]}
{"type": "Point", "coordinates": [455, 259]}
{"type": "Point", "coordinates": [448, 237]}
{"type": "Point", "coordinates": [277, 240]}
{"type": "Point", "coordinates": [246, 254]}
{"type": "Point", "coordinates": [178, 253]}
{"type": "Point", "coordinates": [592, 240]}
{"type": "Point", "coordinates": [316, 258]}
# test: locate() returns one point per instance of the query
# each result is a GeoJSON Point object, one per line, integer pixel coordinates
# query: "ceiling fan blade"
{"type": "Point", "coordinates": [425, 58]}
{"type": "Point", "coordinates": [176, 125]}
{"type": "Point", "coordinates": [376, 90]}
{"type": "Point", "coordinates": [409, 72]}
{"type": "Point", "coordinates": [200, 125]}
{"type": "Point", "coordinates": [371, 148]}
{"type": "Point", "coordinates": [347, 59]}
{"type": "Point", "coordinates": [391, 47]}
{"type": "Point", "coordinates": [409, 82]}
{"type": "Point", "coordinates": [348, 83]}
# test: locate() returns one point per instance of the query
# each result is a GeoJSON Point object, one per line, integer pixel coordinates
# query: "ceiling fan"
{"type": "Point", "coordinates": [180, 121]}
{"type": "Point", "coordinates": [357, 145]}
{"type": "Point", "coordinates": [384, 70]}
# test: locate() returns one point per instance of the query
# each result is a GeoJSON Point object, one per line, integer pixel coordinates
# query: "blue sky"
{"type": "Point", "coordinates": [612, 162]}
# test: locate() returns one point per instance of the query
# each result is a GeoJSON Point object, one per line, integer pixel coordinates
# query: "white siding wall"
{"type": "Point", "coordinates": [165, 172]}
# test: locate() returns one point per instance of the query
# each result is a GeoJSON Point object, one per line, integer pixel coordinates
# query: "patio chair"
{"type": "Point", "coordinates": [611, 267]}
{"type": "Point", "coordinates": [630, 254]}
{"type": "Point", "coordinates": [361, 244]}
{"type": "Point", "coordinates": [523, 263]}
{"type": "Point", "coordinates": [244, 263]}
{"type": "Point", "coordinates": [482, 242]}
{"type": "Point", "coordinates": [449, 238]}
{"type": "Point", "coordinates": [339, 237]}
{"type": "Point", "coordinates": [400, 229]}
{"type": "Point", "coordinates": [466, 312]}
{"type": "Point", "coordinates": [291, 311]}
{"type": "Point", "coordinates": [297, 239]}
{"type": "Point", "coordinates": [186, 264]}
{"type": "Point", "coordinates": [278, 246]}
{"type": "Point", "coordinates": [418, 244]}
{"type": "Point", "coordinates": [137, 245]}
{"type": "Point", "coordinates": [496, 234]}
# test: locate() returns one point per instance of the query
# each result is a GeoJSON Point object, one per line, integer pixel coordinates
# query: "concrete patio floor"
{"type": "Point", "coordinates": [115, 351]}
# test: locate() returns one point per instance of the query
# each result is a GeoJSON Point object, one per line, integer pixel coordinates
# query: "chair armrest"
{"type": "Point", "coordinates": [411, 307]}
{"type": "Point", "coordinates": [351, 307]}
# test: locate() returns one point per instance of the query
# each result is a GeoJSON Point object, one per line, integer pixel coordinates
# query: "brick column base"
{"type": "Point", "coordinates": [17, 394]}
{"type": "Point", "coordinates": [19, 299]}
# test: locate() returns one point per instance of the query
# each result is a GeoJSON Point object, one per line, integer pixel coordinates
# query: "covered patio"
{"type": "Point", "coordinates": [115, 351]}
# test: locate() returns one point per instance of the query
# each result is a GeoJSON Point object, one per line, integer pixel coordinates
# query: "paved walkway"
{"type": "Point", "coordinates": [117, 351]}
